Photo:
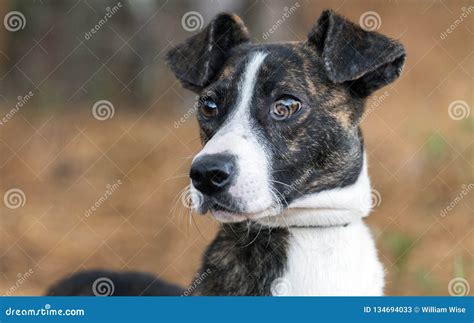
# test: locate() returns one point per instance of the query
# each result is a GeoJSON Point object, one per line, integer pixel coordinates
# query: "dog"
{"type": "Point", "coordinates": [283, 166]}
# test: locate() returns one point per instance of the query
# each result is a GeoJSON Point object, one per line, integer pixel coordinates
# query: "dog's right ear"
{"type": "Point", "coordinates": [197, 61]}
{"type": "Point", "coordinates": [364, 60]}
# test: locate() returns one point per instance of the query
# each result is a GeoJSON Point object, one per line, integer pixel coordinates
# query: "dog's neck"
{"type": "Point", "coordinates": [289, 246]}
{"type": "Point", "coordinates": [335, 207]}
{"type": "Point", "coordinates": [252, 259]}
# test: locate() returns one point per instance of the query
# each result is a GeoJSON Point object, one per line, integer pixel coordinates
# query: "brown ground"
{"type": "Point", "coordinates": [419, 159]}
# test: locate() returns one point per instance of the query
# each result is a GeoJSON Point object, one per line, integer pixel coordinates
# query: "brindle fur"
{"type": "Point", "coordinates": [244, 259]}
{"type": "Point", "coordinates": [320, 148]}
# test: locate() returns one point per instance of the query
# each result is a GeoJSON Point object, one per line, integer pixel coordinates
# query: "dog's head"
{"type": "Point", "coordinates": [279, 122]}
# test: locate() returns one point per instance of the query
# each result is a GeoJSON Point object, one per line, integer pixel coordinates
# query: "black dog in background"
{"type": "Point", "coordinates": [123, 284]}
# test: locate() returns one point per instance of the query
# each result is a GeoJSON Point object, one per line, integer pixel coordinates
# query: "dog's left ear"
{"type": "Point", "coordinates": [198, 60]}
{"type": "Point", "coordinates": [364, 60]}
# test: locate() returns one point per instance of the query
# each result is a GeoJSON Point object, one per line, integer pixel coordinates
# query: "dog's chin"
{"type": "Point", "coordinates": [226, 216]}
{"type": "Point", "coordinates": [228, 210]}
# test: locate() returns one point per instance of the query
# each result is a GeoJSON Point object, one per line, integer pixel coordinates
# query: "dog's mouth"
{"type": "Point", "coordinates": [227, 208]}
{"type": "Point", "coordinates": [217, 207]}
{"type": "Point", "coordinates": [226, 211]}
{"type": "Point", "coordinates": [231, 213]}
{"type": "Point", "coordinates": [218, 204]}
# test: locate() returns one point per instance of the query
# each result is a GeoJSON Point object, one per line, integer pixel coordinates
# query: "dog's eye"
{"type": "Point", "coordinates": [284, 108]}
{"type": "Point", "coordinates": [209, 109]}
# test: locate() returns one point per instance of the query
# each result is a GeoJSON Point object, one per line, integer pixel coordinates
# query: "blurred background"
{"type": "Point", "coordinates": [96, 138]}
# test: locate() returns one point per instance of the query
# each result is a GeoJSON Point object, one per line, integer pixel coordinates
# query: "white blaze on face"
{"type": "Point", "coordinates": [251, 187]}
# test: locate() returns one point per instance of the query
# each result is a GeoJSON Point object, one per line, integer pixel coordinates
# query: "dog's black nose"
{"type": "Point", "coordinates": [211, 174]}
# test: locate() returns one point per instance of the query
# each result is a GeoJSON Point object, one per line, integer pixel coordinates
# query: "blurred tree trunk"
{"type": "Point", "coordinates": [4, 9]}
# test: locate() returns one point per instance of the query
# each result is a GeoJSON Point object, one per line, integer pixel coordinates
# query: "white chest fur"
{"type": "Point", "coordinates": [331, 261]}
